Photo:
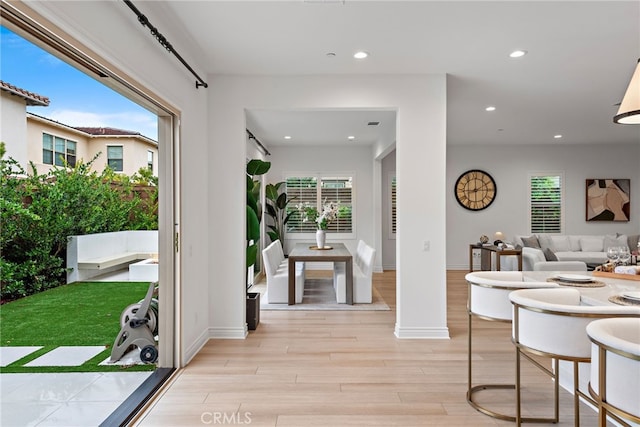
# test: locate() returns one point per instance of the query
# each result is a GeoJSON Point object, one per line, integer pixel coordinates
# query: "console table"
{"type": "Point", "coordinates": [485, 256]}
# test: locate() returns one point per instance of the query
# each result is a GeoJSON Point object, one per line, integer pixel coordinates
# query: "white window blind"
{"type": "Point", "coordinates": [301, 190]}
{"type": "Point", "coordinates": [338, 189]}
{"type": "Point", "coordinates": [546, 202]}
{"type": "Point", "coordinates": [315, 191]}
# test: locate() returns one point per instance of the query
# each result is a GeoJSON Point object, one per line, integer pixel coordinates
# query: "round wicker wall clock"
{"type": "Point", "coordinates": [475, 190]}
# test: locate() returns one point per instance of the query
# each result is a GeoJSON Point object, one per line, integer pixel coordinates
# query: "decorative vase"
{"type": "Point", "coordinates": [321, 237]}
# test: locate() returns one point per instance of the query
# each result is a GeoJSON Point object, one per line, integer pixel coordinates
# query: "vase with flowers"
{"type": "Point", "coordinates": [321, 219]}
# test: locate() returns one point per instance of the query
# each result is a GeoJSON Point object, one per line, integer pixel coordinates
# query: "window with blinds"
{"type": "Point", "coordinates": [546, 203]}
{"type": "Point", "coordinates": [316, 191]}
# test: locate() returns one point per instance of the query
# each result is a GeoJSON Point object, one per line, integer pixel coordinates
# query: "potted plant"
{"type": "Point", "coordinates": [255, 168]}
{"type": "Point", "coordinates": [277, 204]}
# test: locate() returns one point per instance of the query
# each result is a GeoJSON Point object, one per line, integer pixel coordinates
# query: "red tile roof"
{"type": "Point", "coordinates": [32, 98]}
{"type": "Point", "coordinates": [106, 131]}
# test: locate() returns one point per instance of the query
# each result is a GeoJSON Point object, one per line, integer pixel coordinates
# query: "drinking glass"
{"type": "Point", "coordinates": [613, 253]}
{"type": "Point", "coordinates": [624, 255]}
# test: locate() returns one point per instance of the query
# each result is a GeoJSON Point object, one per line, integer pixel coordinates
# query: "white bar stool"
{"type": "Point", "coordinates": [552, 323]}
{"type": "Point", "coordinates": [488, 299]}
{"type": "Point", "coordinates": [615, 368]}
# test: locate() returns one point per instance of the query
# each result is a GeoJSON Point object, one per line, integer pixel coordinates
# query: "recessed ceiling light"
{"type": "Point", "coordinates": [490, 108]}
{"type": "Point", "coordinates": [287, 137]}
{"type": "Point", "coordinates": [518, 53]}
{"type": "Point", "coordinates": [351, 137]}
{"type": "Point", "coordinates": [361, 54]}
{"type": "Point", "coordinates": [557, 136]}
{"type": "Point", "coordinates": [331, 54]}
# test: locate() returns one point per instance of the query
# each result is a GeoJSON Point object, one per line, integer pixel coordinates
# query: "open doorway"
{"type": "Point", "coordinates": [127, 150]}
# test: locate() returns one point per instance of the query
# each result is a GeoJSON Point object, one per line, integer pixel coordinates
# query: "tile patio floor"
{"type": "Point", "coordinates": [63, 399]}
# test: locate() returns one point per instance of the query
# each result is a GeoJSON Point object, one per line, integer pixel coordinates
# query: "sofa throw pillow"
{"type": "Point", "coordinates": [530, 242]}
{"type": "Point", "coordinates": [614, 240]}
{"type": "Point", "coordinates": [592, 244]}
{"type": "Point", "coordinates": [560, 243]}
{"type": "Point", "coordinates": [549, 255]}
{"type": "Point", "coordinates": [632, 241]}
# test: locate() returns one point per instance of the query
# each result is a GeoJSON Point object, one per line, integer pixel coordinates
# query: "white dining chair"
{"type": "Point", "coordinates": [615, 368]}
{"type": "Point", "coordinates": [488, 299]}
{"type": "Point", "coordinates": [552, 323]}
{"type": "Point", "coordinates": [277, 274]}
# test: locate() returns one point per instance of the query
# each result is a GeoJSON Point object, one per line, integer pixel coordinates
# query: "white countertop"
{"type": "Point", "coordinates": [590, 296]}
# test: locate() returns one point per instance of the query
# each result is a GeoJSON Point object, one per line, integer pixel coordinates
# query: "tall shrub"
{"type": "Point", "coordinates": [39, 212]}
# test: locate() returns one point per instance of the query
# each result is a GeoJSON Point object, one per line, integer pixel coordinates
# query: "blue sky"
{"type": "Point", "coordinates": [76, 99]}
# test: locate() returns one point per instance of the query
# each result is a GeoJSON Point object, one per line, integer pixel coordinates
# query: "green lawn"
{"type": "Point", "coordinates": [83, 313]}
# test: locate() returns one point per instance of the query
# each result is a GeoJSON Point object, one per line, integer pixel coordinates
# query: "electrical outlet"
{"type": "Point", "coordinates": [426, 245]}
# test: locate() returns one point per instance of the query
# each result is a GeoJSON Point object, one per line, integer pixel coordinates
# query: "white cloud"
{"type": "Point", "coordinates": [146, 124]}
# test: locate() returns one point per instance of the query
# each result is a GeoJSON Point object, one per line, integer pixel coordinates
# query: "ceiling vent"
{"type": "Point", "coordinates": [373, 124]}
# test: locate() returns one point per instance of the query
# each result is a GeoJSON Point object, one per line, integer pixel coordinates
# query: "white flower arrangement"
{"type": "Point", "coordinates": [310, 214]}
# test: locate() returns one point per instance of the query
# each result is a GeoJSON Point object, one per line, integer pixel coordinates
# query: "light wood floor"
{"type": "Point", "coordinates": [318, 368]}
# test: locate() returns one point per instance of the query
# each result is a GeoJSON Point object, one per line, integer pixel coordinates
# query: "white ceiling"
{"type": "Point", "coordinates": [580, 58]}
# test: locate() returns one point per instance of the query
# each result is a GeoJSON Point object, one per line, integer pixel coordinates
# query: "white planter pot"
{"type": "Point", "coordinates": [321, 238]}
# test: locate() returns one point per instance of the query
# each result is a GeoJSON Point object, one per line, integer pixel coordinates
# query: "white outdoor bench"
{"type": "Point", "coordinates": [91, 255]}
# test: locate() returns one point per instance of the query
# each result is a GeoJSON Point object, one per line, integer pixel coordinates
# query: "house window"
{"type": "Point", "coordinates": [114, 157]}
{"type": "Point", "coordinates": [58, 151]}
{"type": "Point", "coordinates": [546, 200]}
{"type": "Point", "coordinates": [150, 160]}
{"type": "Point", "coordinates": [315, 190]}
{"type": "Point", "coordinates": [392, 205]}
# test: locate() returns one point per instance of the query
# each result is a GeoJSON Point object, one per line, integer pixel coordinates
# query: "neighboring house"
{"type": "Point", "coordinates": [124, 151]}
{"type": "Point", "coordinates": [45, 142]}
{"type": "Point", "coordinates": [13, 123]}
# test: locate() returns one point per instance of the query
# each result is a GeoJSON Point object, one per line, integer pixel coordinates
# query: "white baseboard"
{"type": "Point", "coordinates": [229, 333]}
{"type": "Point", "coordinates": [421, 333]}
{"type": "Point", "coordinates": [195, 347]}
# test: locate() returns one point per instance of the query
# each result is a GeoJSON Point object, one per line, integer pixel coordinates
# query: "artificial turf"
{"type": "Point", "coordinates": [81, 313]}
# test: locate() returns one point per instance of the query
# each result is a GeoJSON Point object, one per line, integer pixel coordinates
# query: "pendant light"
{"type": "Point", "coordinates": [629, 112]}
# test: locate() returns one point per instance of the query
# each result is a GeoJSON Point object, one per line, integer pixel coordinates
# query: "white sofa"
{"type": "Point", "coordinates": [362, 276]}
{"type": "Point", "coordinates": [276, 268]}
{"type": "Point", "coordinates": [538, 250]}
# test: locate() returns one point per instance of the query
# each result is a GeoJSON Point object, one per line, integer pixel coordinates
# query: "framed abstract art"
{"type": "Point", "coordinates": [608, 199]}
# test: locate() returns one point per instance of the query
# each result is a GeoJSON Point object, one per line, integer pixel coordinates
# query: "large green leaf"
{"type": "Point", "coordinates": [252, 253]}
{"type": "Point", "coordinates": [271, 211]}
{"type": "Point", "coordinates": [253, 225]}
{"type": "Point", "coordinates": [282, 201]}
{"type": "Point", "coordinates": [271, 192]}
{"type": "Point", "coordinates": [258, 167]}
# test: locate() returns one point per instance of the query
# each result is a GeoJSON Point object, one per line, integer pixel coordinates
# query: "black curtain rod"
{"type": "Point", "coordinates": [164, 42]}
{"type": "Point", "coordinates": [264, 149]}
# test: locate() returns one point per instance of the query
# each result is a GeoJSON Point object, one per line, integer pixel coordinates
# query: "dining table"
{"type": "Point", "coordinates": [309, 252]}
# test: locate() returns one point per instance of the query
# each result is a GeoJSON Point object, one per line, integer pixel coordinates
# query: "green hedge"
{"type": "Point", "coordinates": [39, 211]}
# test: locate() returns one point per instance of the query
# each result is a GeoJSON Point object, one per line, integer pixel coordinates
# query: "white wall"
{"type": "Point", "coordinates": [356, 161]}
{"type": "Point", "coordinates": [13, 127]}
{"type": "Point", "coordinates": [510, 166]}
{"type": "Point", "coordinates": [421, 126]}
{"type": "Point", "coordinates": [119, 37]}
